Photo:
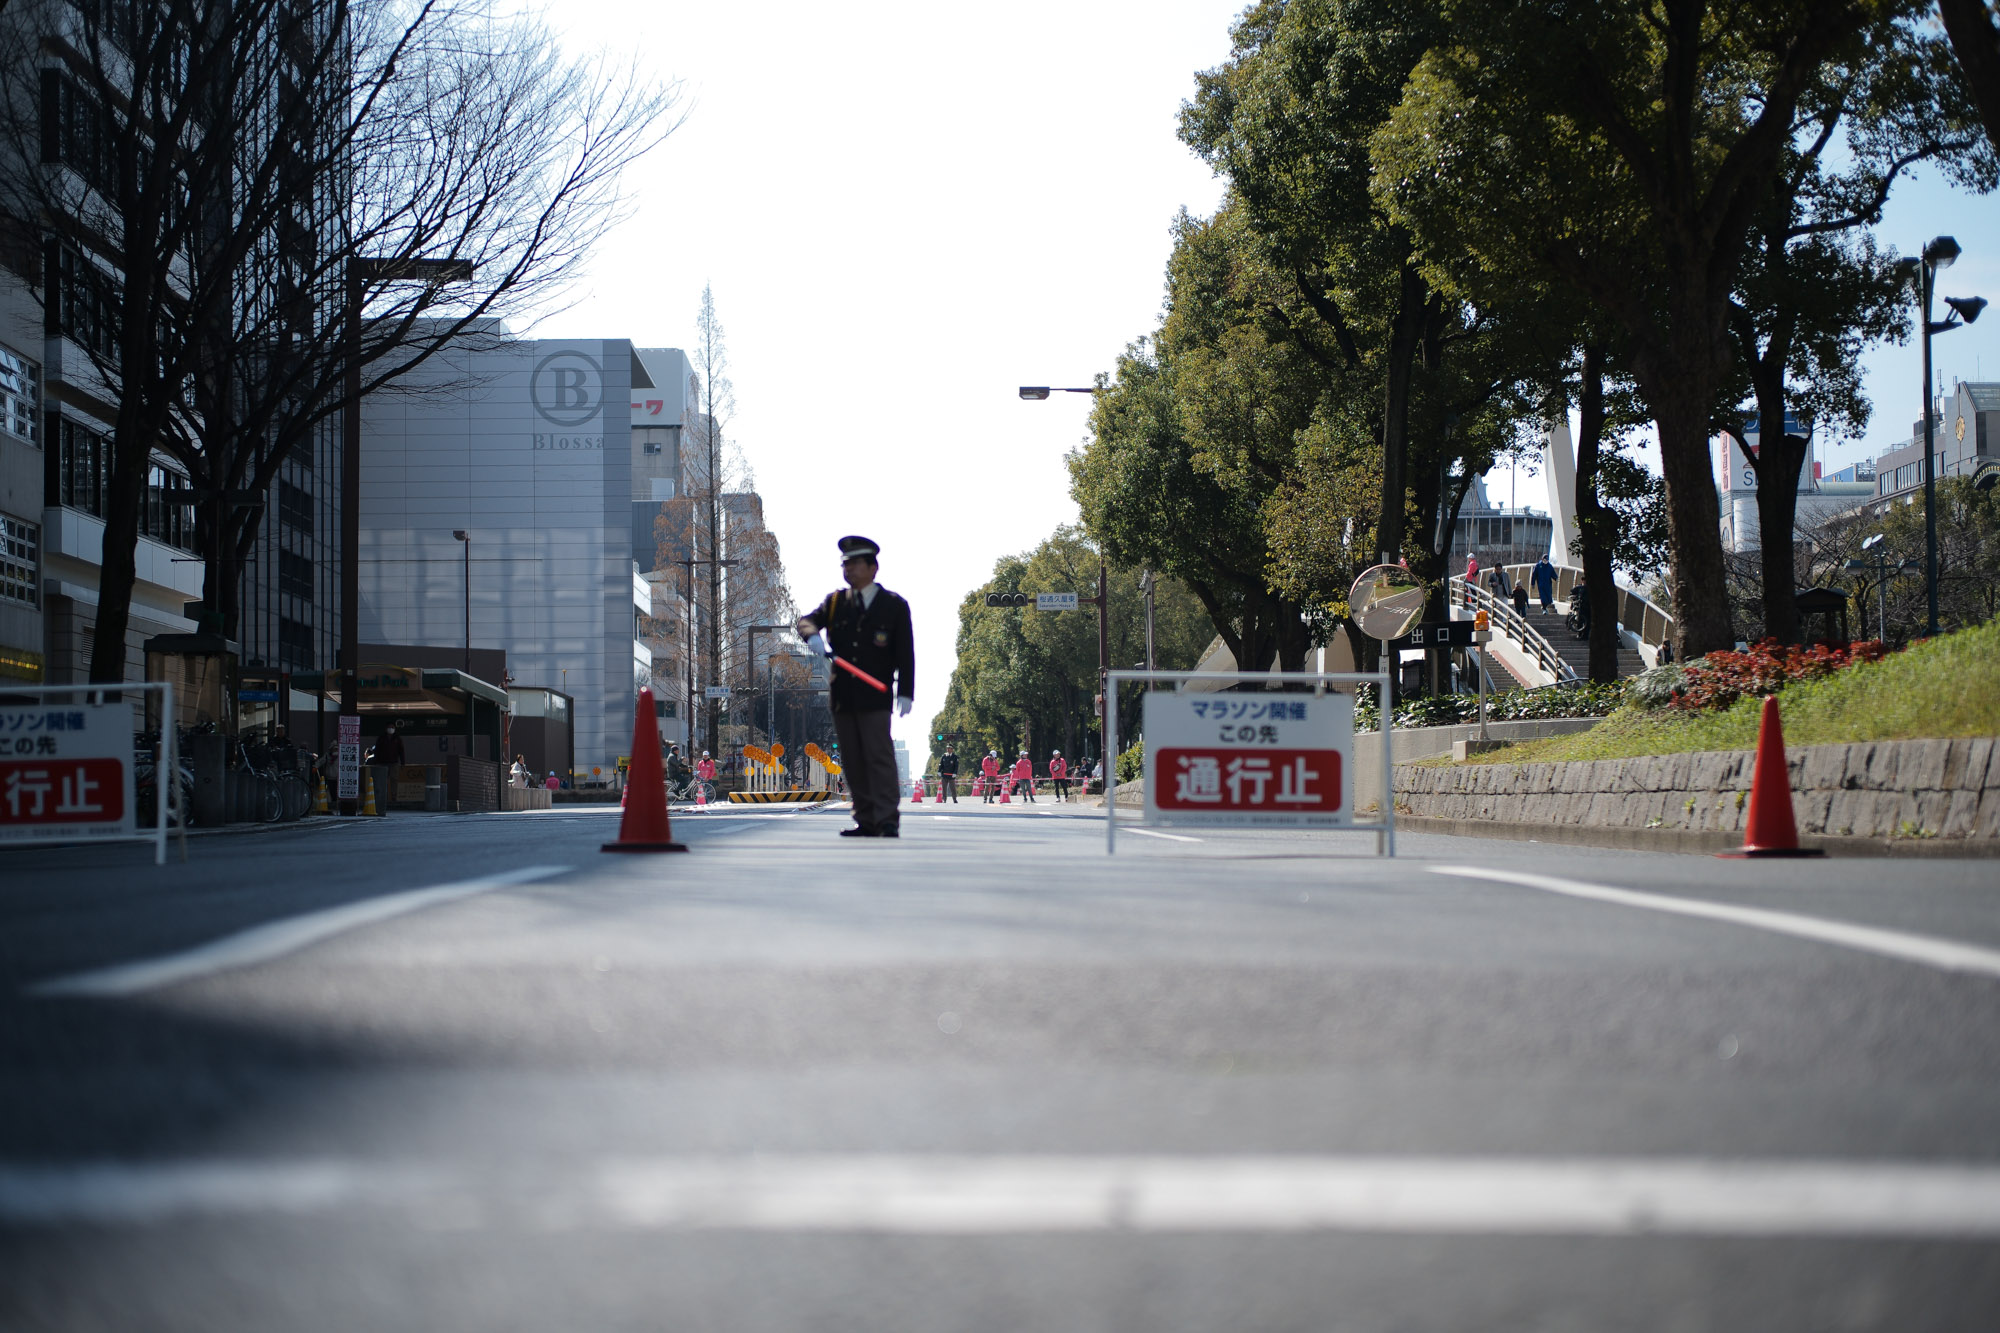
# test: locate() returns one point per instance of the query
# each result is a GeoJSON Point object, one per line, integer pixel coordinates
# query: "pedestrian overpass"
{"type": "Point", "coordinates": [1538, 649]}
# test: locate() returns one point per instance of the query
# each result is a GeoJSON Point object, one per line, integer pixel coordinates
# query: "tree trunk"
{"type": "Point", "coordinates": [1780, 458]}
{"type": "Point", "coordinates": [1403, 342]}
{"type": "Point", "coordinates": [118, 570]}
{"type": "Point", "coordinates": [1596, 524]}
{"type": "Point", "coordinates": [1694, 522]}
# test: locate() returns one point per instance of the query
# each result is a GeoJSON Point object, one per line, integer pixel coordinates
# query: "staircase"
{"type": "Point", "coordinates": [1575, 652]}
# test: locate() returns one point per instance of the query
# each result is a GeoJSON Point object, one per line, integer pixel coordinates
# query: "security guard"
{"type": "Point", "coordinates": [868, 626]}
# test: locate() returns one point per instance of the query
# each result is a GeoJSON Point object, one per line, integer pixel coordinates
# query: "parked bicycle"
{"type": "Point", "coordinates": [146, 783]}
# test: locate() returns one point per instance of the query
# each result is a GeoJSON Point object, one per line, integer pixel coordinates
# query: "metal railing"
{"type": "Point", "coordinates": [1506, 620]}
{"type": "Point", "coordinates": [1644, 618]}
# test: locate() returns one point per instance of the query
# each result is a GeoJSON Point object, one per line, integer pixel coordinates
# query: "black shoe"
{"type": "Point", "coordinates": [858, 832]}
{"type": "Point", "coordinates": [889, 832]}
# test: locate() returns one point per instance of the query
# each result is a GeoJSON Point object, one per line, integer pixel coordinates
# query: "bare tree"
{"type": "Point", "coordinates": [350, 186]}
{"type": "Point", "coordinates": [712, 469]}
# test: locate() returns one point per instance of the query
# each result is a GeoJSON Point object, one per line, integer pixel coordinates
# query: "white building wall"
{"type": "Point", "coordinates": [526, 446]}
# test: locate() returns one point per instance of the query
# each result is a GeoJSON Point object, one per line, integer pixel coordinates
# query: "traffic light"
{"type": "Point", "coordinates": [1010, 599]}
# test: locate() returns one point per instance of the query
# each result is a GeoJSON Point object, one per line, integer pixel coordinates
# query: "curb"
{"type": "Point", "coordinates": [1695, 842]}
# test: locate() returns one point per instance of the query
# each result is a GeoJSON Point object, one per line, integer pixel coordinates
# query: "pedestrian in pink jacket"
{"type": "Point", "coordinates": [1024, 773]}
{"type": "Point", "coordinates": [989, 775]}
{"type": "Point", "coordinates": [1059, 775]}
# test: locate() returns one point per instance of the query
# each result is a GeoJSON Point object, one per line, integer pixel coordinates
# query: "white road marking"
{"type": "Point", "coordinates": [1946, 954]}
{"type": "Point", "coordinates": [261, 944]}
{"type": "Point", "coordinates": [959, 1195]}
{"type": "Point", "coordinates": [1153, 833]}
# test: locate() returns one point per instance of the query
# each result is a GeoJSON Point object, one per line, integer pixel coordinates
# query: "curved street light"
{"type": "Point", "coordinates": [1939, 253]}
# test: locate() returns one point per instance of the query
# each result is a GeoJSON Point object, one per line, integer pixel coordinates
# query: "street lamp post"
{"type": "Point", "coordinates": [1940, 253]}
{"type": "Point", "coordinates": [1880, 565]}
{"type": "Point", "coordinates": [466, 537]}
{"type": "Point", "coordinates": [687, 584]}
{"type": "Point", "coordinates": [750, 669]}
{"type": "Point", "coordinates": [1036, 393]}
{"type": "Point", "coordinates": [361, 272]}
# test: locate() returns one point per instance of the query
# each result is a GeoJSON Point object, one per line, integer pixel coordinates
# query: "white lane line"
{"type": "Point", "coordinates": [1153, 833]}
{"type": "Point", "coordinates": [958, 1195]}
{"type": "Point", "coordinates": [261, 944]}
{"type": "Point", "coordinates": [1946, 954]}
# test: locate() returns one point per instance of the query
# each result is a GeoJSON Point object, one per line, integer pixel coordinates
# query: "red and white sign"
{"type": "Point", "coordinates": [65, 772]}
{"type": "Point", "coordinates": [1250, 759]}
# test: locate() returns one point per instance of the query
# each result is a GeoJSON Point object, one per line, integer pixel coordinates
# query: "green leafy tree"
{"type": "Point", "coordinates": [1028, 679]}
{"type": "Point", "coordinates": [1403, 363]}
{"type": "Point", "coordinates": [1626, 150]}
{"type": "Point", "coordinates": [1974, 28]}
{"type": "Point", "coordinates": [1146, 493]}
{"type": "Point", "coordinates": [1811, 294]}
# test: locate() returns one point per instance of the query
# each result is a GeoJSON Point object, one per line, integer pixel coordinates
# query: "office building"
{"type": "Point", "coordinates": [498, 493]}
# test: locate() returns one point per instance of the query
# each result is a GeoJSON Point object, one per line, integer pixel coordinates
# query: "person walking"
{"type": "Point", "coordinates": [869, 628]}
{"type": "Point", "coordinates": [948, 774]}
{"type": "Point", "coordinates": [1544, 579]}
{"type": "Point", "coordinates": [1059, 775]}
{"type": "Point", "coordinates": [517, 776]}
{"type": "Point", "coordinates": [1520, 599]}
{"type": "Point", "coordinates": [989, 773]}
{"type": "Point", "coordinates": [1024, 775]}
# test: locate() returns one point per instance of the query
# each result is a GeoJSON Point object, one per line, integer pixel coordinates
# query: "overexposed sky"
{"type": "Point", "coordinates": [909, 210]}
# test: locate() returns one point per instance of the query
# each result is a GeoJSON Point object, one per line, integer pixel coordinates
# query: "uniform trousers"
{"type": "Point", "coordinates": [948, 788]}
{"type": "Point", "coordinates": [868, 757]}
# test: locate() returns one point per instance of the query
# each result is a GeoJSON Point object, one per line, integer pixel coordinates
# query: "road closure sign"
{"type": "Point", "coordinates": [65, 772]}
{"type": "Point", "coordinates": [1263, 759]}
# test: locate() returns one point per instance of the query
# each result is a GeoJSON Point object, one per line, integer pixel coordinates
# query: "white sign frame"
{"type": "Point", "coordinates": [1055, 601]}
{"type": "Point", "coordinates": [167, 767]}
{"type": "Point", "coordinates": [1384, 828]}
{"type": "Point", "coordinates": [715, 692]}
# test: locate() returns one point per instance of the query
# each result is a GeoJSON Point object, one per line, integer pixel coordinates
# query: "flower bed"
{"type": "Point", "coordinates": [1718, 680]}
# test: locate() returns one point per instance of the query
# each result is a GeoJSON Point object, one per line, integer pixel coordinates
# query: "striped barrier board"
{"type": "Point", "coordinates": [778, 797]}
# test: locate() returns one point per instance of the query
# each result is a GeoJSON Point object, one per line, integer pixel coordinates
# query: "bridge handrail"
{"type": "Point", "coordinates": [1502, 616]}
{"type": "Point", "coordinates": [1652, 624]}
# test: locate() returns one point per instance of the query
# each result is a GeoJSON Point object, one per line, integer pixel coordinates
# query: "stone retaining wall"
{"type": "Point", "coordinates": [1882, 789]}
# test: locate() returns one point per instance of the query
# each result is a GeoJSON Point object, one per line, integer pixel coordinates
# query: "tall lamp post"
{"type": "Point", "coordinates": [687, 585]}
{"type": "Point", "coordinates": [1880, 566]}
{"type": "Point", "coordinates": [466, 537]}
{"type": "Point", "coordinates": [1036, 393]}
{"type": "Point", "coordinates": [1940, 253]}
{"type": "Point", "coordinates": [750, 668]}
{"type": "Point", "coordinates": [360, 273]}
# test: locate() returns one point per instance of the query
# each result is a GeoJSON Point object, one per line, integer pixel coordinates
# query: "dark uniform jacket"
{"type": "Point", "coordinates": [948, 765]}
{"type": "Point", "coordinates": [877, 639]}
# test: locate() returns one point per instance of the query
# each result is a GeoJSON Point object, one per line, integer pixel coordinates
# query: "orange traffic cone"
{"type": "Point", "coordinates": [644, 827]}
{"type": "Point", "coordinates": [917, 792]}
{"type": "Point", "coordinates": [1006, 790]}
{"type": "Point", "coordinates": [1769, 829]}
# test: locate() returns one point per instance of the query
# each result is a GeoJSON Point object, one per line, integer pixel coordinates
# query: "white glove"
{"type": "Point", "coordinates": [904, 704]}
{"type": "Point", "coordinates": [806, 628]}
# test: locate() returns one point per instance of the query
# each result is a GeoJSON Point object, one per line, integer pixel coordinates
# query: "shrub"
{"type": "Point", "coordinates": [1720, 679]}
{"type": "Point", "coordinates": [1132, 763]}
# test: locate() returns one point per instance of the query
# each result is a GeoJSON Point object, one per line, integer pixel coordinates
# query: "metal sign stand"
{"type": "Point", "coordinates": [1384, 830]}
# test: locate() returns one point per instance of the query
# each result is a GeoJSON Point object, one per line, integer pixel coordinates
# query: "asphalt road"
{"type": "Point", "coordinates": [468, 1072]}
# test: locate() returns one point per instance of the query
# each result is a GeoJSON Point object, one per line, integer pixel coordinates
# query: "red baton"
{"type": "Point", "coordinates": [857, 671]}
